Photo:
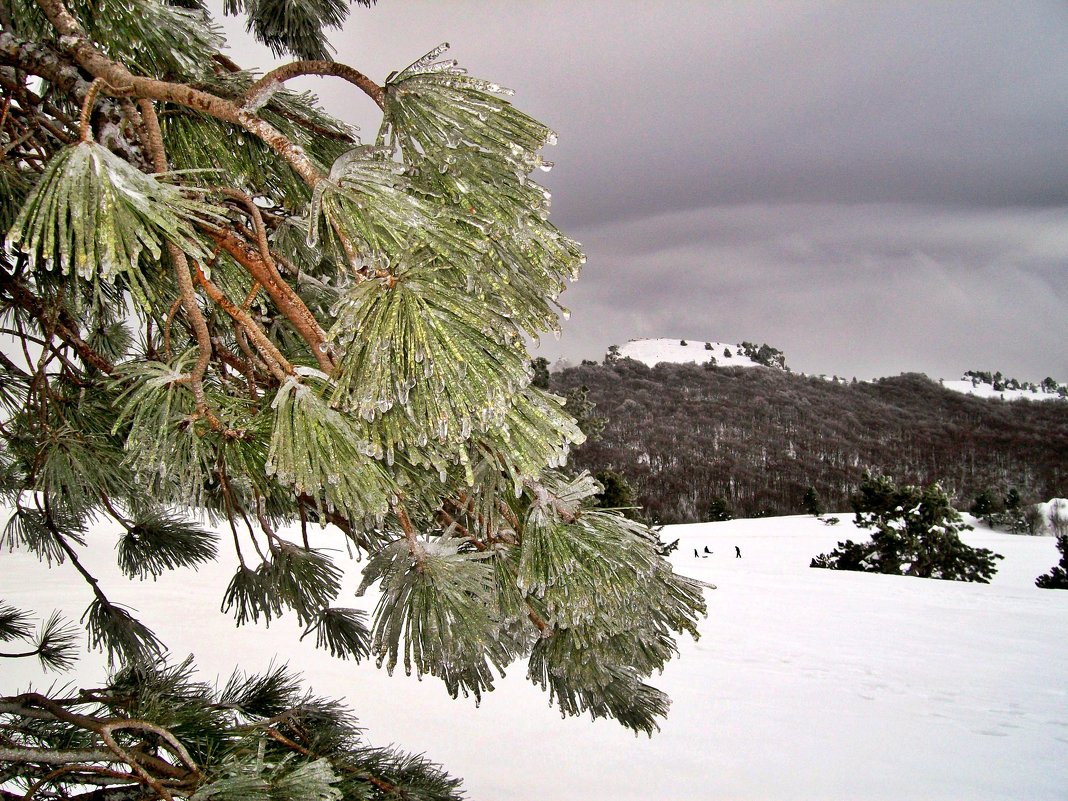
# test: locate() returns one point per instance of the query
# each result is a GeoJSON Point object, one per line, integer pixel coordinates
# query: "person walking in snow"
{"type": "Point", "coordinates": [737, 552]}
{"type": "Point", "coordinates": [696, 555]}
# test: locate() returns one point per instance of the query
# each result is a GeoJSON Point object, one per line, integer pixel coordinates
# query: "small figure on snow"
{"type": "Point", "coordinates": [707, 551]}
{"type": "Point", "coordinates": [696, 555]}
{"type": "Point", "coordinates": [737, 552]}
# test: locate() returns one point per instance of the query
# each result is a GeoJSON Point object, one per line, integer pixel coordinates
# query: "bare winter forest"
{"type": "Point", "coordinates": [697, 441]}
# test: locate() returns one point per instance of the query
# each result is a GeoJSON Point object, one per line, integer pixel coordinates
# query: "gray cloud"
{"type": "Point", "coordinates": [872, 187]}
{"type": "Point", "coordinates": [850, 289]}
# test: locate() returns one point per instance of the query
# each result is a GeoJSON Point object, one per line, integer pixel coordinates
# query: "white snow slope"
{"type": "Point", "coordinates": [654, 351]}
{"type": "Point", "coordinates": [805, 684]}
{"type": "Point", "coordinates": [983, 390]}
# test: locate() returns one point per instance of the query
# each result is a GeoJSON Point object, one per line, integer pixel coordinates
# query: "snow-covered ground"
{"type": "Point", "coordinates": [805, 684]}
{"type": "Point", "coordinates": [984, 390]}
{"type": "Point", "coordinates": [654, 351]}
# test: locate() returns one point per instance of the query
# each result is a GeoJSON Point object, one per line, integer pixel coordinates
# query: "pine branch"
{"type": "Point", "coordinates": [293, 28]}
{"type": "Point", "coordinates": [96, 63]}
{"type": "Point", "coordinates": [14, 623]}
{"type": "Point", "coordinates": [261, 267]}
{"type": "Point", "coordinates": [57, 319]}
{"type": "Point", "coordinates": [56, 647]}
{"type": "Point", "coordinates": [277, 363]}
{"type": "Point", "coordinates": [341, 631]}
{"type": "Point", "coordinates": [49, 756]}
{"type": "Point", "coordinates": [156, 542]}
{"type": "Point", "coordinates": [181, 270]}
{"type": "Point", "coordinates": [260, 91]}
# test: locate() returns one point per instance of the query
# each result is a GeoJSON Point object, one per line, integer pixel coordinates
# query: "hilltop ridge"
{"type": "Point", "coordinates": [652, 352]}
{"type": "Point", "coordinates": [665, 350]}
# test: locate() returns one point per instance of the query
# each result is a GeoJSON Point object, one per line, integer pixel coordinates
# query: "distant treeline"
{"type": "Point", "coordinates": [700, 442]}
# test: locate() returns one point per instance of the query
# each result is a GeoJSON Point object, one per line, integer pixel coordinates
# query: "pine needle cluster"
{"type": "Point", "coordinates": [261, 736]}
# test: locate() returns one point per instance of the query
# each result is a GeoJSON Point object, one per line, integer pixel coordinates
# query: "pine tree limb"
{"type": "Point", "coordinates": [49, 756]}
{"type": "Point", "coordinates": [75, 41]}
{"type": "Point", "coordinates": [254, 96]}
{"type": "Point", "coordinates": [58, 320]}
{"type": "Point", "coordinates": [414, 546]}
{"type": "Point", "coordinates": [180, 263]}
{"type": "Point", "coordinates": [452, 523]}
{"type": "Point", "coordinates": [285, 298]}
{"type": "Point", "coordinates": [277, 363]}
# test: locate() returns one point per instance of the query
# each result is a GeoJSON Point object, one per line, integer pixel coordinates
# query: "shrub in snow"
{"type": "Point", "coordinates": [719, 509]}
{"type": "Point", "coordinates": [986, 506]}
{"type": "Point", "coordinates": [916, 532]}
{"type": "Point", "coordinates": [1057, 578]}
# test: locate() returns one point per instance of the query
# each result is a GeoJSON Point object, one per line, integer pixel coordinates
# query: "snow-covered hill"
{"type": "Point", "coordinates": [982, 389]}
{"type": "Point", "coordinates": [686, 351]}
{"type": "Point", "coordinates": [805, 684]}
{"type": "Point", "coordinates": [691, 351]}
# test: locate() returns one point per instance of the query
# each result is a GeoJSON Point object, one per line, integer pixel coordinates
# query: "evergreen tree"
{"type": "Point", "coordinates": [158, 733]}
{"type": "Point", "coordinates": [228, 307]}
{"type": "Point", "coordinates": [719, 509]}
{"type": "Point", "coordinates": [1013, 515]}
{"type": "Point", "coordinates": [812, 503]}
{"type": "Point", "coordinates": [1057, 578]}
{"type": "Point", "coordinates": [616, 493]}
{"type": "Point", "coordinates": [916, 532]}
{"type": "Point", "coordinates": [986, 507]}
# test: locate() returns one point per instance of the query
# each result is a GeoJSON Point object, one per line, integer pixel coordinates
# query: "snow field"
{"type": "Point", "coordinates": [805, 684]}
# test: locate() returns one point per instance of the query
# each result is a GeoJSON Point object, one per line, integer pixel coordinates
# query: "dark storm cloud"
{"type": "Point", "coordinates": [663, 106]}
{"type": "Point", "coordinates": [925, 103]}
{"type": "Point", "coordinates": [873, 187]}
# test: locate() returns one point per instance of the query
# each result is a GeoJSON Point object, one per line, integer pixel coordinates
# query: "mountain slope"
{"type": "Point", "coordinates": [686, 436]}
{"type": "Point", "coordinates": [652, 352]}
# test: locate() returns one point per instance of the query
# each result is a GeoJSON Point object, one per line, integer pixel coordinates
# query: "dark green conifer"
{"type": "Point", "coordinates": [1057, 578]}
{"type": "Point", "coordinates": [915, 532]}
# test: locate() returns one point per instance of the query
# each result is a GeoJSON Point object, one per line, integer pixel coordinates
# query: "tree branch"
{"type": "Point", "coordinates": [451, 522]}
{"type": "Point", "coordinates": [414, 546]}
{"type": "Point", "coordinates": [254, 96]}
{"type": "Point", "coordinates": [50, 756]}
{"type": "Point", "coordinates": [276, 362]}
{"type": "Point", "coordinates": [74, 40]}
{"type": "Point", "coordinates": [284, 296]}
{"type": "Point", "coordinates": [58, 320]}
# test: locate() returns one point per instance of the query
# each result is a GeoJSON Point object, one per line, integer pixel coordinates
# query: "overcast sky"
{"type": "Point", "coordinates": [872, 187]}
